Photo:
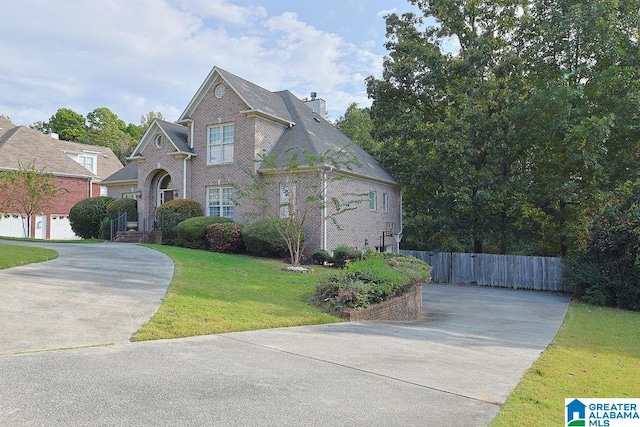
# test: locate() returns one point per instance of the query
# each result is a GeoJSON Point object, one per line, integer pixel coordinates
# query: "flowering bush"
{"type": "Point", "coordinates": [225, 237]}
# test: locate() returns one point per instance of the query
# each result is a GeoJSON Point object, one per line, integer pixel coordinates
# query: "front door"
{"type": "Point", "coordinates": [165, 190]}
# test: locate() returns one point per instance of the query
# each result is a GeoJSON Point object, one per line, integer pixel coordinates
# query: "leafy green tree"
{"type": "Point", "coordinates": [108, 130]}
{"type": "Point", "coordinates": [41, 126]}
{"type": "Point", "coordinates": [581, 59]}
{"type": "Point", "coordinates": [606, 268]}
{"type": "Point", "coordinates": [445, 120]}
{"type": "Point", "coordinates": [504, 142]}
{"type": "Point", "coordinates": [68, 124]}
{"type": "Point", "coordinates": [27, 191]}
{"type": "Point", "coordinates": [148, 118]}
{"type": "Point", "coordinates": [358, 126]}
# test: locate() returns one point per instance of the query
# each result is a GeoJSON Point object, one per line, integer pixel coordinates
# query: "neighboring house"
{"type": "Point", "coordinates": [78, 168]}
{"type": "Point", "coordinates": [227, 124]}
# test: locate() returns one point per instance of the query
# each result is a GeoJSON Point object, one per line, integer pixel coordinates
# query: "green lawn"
{"type": "Point", "coordinates": [214, 293]}
{"type": "Point", "coordinates": [15, 255]}
{"type": "Point", "coordinates": [595, 354]}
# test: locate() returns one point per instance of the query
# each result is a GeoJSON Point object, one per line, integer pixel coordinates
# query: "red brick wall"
{"type": "Point", "coordinates": [403, 307]}
{"type": "Point", "coordinates": [70, 191]}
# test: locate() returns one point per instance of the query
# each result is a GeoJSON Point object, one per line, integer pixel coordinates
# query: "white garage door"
{"type": "Point", "coordinates": [11, 225]}
{"type": "Point", "coordinates": [61, 228]}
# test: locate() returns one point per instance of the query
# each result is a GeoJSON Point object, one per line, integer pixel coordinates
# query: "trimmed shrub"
{"type": "Point", "coordinates": [262, 238]}
{"type": "Point", "coordinates": [346, 254]}
{"type": "Point", "coordinates": [225, 237]}
{"type": "Point", "coordinates": [86, 216]}
{"type": "Point", "coordinates": [378, 278]}
{"type": "Point", "coordinates": [173, 212]}
{"type": "Point", "coordinates": [105, 229]}
{"type": "Point", "coordinates": [321, 257]}
{"type": "Point", "coordinates": [119, 206]}
{"type": "Point", "coordinates": [192, 232]}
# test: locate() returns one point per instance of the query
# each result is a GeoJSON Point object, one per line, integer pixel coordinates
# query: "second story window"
{"type": "Point", "coordinates": [88, 161]}
{"type": "Point", "coordinates": [220, 144]}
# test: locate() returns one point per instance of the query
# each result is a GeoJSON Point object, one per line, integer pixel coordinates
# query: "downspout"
{"type": "Point", "coordinates": [184, 176]}
{"type": "Point", "coordinates": [399, 237]}
{"type": "Point", "coordinates": [90, 186]}
{"type": "Point", "coordinates": [191, 137]}
{"type": "Point", "coordinates": [324, 210]}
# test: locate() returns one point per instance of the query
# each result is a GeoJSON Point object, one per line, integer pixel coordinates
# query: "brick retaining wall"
{"type": "Point", "coordinates": [403, 307]}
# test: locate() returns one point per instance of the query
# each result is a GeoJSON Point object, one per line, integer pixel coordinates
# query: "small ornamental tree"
{"type": "Point", "coordinates": [302, 183]}
{"type": "Point", "coordinates": [27, 191]}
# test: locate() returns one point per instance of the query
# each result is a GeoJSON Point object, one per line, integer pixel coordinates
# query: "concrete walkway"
{"type": "Point", "coordinates": [454, 368]}
{"type": "Point", "coordinates": [91, 294]}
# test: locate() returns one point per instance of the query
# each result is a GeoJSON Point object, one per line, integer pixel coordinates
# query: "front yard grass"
{"type": "Point", "coordinates": [213, 293]}
{"type": "Point", "coordinates": [595, 354]}
{"type": "Point", "coordinates": [15, 255]}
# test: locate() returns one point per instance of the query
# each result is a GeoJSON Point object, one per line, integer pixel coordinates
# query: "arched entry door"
{"type": "Point", "coordinates": [165, 189]}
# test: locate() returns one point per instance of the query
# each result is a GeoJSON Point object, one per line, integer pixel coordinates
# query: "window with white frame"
{"type": "Point", "coordinates": [88, 161]}
{"type": "Point", "coordinates": [220, 144]}
{"type": "Point", "coordinates": [287, 199]}
{"type": "Point", "coordinates": [373, 200]}
{"type": "Point", "coordinates": [385, 202]}
{"type": "Point", "coordinates": [220, 201]}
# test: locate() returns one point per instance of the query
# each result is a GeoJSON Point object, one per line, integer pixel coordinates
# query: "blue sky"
{"type": "Point", "coordinates": [152, 55]}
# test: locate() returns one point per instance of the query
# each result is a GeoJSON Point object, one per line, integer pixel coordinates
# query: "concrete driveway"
{"type": "Point", "coordinates": [454, 368]}
{"type": "Point", "coordinates": [91, 294]}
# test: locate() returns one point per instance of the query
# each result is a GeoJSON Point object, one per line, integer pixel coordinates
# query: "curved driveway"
{"type": "Point", "coordinates": [91, 294]}
{"type": "Point", "coordinates": [455, 367]}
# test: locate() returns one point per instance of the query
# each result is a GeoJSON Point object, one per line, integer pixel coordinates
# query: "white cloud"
{"type": "Point", "coordinates": [152, 55]}
{"type": "Point", "coordinates": [385, 12]}
{"type": "Point", "coordinates": [226, 11]}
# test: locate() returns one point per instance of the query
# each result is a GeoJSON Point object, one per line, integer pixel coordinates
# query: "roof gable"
{"type": "Point", "coordinates": [176, 134]}
{"type": "Point", "coordinates": [22, 145]}
{"type": "Point", "coordinates": [257, 99]}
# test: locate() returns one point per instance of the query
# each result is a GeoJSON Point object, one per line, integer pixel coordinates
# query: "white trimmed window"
{"type": "Point", "coordinates": [220, 201]}
{"type": "Point", "coordinates": [373, 200]}
{"type": "Point", "coordinates": [88, 161]}
{"type": "Point", "coordinates": [385, 202]}
{"type": "Point", "coordinates": [220, 144]}
{"type": "Point", "coordinates": [287, 199]}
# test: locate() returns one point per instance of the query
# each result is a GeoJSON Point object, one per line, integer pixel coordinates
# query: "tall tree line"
{"type": "Point", "coordinates": [503, 143]}
{"type": "Point", "coordinates": [100, 127]}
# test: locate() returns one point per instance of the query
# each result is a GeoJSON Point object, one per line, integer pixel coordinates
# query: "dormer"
{"type": "Point", "coordinates": [88, 159]}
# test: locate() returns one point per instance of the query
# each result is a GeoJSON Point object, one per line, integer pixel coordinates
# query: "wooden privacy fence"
{"type": "Point", "coordinates": [507, 271]}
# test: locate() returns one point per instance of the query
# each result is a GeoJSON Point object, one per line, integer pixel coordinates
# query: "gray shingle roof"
{"type": "Point", "coordinates": [316, 136]}
{"type": "Point", "coordinates": [178, 134]}
{"type": "Point", "coordinates": [126, 174]}
{"type": "Point", "coordinates": [256, 97]}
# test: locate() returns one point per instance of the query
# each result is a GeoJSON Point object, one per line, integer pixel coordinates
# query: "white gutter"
{"type": "Point", "coordinates": [399, 235]}
{"type": "Point", "coordinates": [184, 176]}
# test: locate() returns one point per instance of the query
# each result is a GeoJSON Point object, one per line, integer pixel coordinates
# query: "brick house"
{"type": "Point", "coordinates": [78, 168]}
{"type": "Point", "coordinates": [228, 123]}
